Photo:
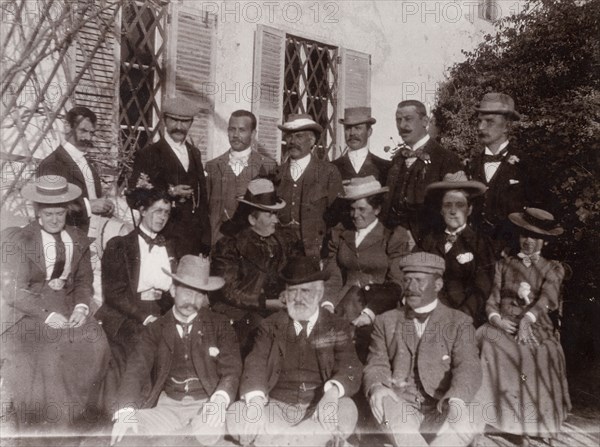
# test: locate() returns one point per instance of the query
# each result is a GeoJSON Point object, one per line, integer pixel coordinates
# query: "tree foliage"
{"type": "Point", "coordinates": [548, 59]}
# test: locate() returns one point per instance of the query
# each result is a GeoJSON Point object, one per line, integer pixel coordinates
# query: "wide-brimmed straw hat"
{"type": "Point", "coordinates": [193, 271]}
{"type": "Point", "coordinates": [296, 123]}
{"type": "Point", "coordinates": [51, 189]}
{"type": "Point", "coordinates": [499, 103]}
{"type": "Point", "coordinates": [180, 108]}
{"type": "Point", "coordinates": [361, 187]}
{"type": "Point", "coordinates": [457, 180]}
{"type": "Point", "coordinates": [303, 269]}
{"type": "Point", "coordinates": [357, 115]}
{"type": "Point", "coordinates": [261, 194]}
{"type": "Point", "coordinates": [537, 221]}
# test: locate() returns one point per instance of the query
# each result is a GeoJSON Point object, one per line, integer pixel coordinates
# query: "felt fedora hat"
{"type": "Point", "coordinates": [180, 108]}
{"type": "Point", "coordinates": [457, 180]}
{"type": "Point", "coordinates": [261, 194]}
{"type": "Point", "coordinates": [537, 221]}
{"type": "Point", "coordinates": [498, 103]}
{"type": "Point", "coordinates": [357, 115]}
{"type": "Point", "coordinates": [361, 187]}
{"type": "Point", "coordinates": [51, 189]}
{"type": "Point", "coordinates": [296, 123]}
{"type": "Point", "coordinates": [193, 271]}
{"type": "Point", "coordinates": [303, 269]}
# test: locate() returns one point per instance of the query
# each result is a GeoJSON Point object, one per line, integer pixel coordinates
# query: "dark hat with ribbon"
{"type": "Point", "coordinates": [537, 221]}
{"type": "Point", "coordinates": [261, 194]}
{"type": "Point", "coordinates": [303, 269]}
{"type": "Point", "coordinates": [357, 115]}
{"type": "Point", "coordinates": [51, 189]}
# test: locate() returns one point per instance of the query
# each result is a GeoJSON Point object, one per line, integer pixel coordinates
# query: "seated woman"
{"type": "Point", "coordinates": [469, 255]}
{"type": "Point", "coordinates": [55, 354]}
{"type": "Point", "coordinates": [364, 255]}
{"type": "Point", "coordinates": [136, 290]}
{"type": "Point", "coordinates": [523, 361]}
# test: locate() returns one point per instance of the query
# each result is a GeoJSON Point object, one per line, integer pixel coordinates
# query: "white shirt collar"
{"type": "Point", "coordinates": [174, 145]}
{"type": "Point", "coordinates": [427, 308]}
{"type": "Point", "coordinates": [422, 142]}
{"type": "Point", "coordinates": [362, 152]}
{"type": "Point", "coordinates": [181, 319]}
{"type": "Point", "coordinates": [457, 231]}
{"type": "Point", "coordinates": [362, 233]}
{"type": "Point", "coordinates": [150, 233]}
{"type": "Point", "coordinates": [297, 167]}
{"type": "Point", "coordinates": [75, 153]}
{"type": "Point", "coordinates": [500, 149]}
{"type": "Point", "coordinates": [239, 155]}
{"type": "Point", "coordinates": [311, 323]}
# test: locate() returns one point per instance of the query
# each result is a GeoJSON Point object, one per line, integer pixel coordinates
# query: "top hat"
{"type": "Point", "coordinates": [537, 221]}
{"type": "Point", "coordinates": [296, 123]}
{"type": "Point", "coordinates": [357, 115]}
{"type": "Point", "coordinates": [192, 271]}
{"type": "Point", "coordinates": [361, 187]}
{"type": "Point", "coordinates": [457, 180]}
{"type": "Point", "coordinates": [422, 262]}
{"type": "Point", "coordinates": [261, 194]}
{"type": "Point", "coordinates": [303, 269]}
{"type": "Point", "coordinates": [180, 108]}
{"type": "Point", "coordinates": [499, 103]}
{"type": "Point", "coordinates": [51, 189]}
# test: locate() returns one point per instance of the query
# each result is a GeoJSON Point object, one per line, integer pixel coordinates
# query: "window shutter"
{"type": "Point", "coordinates": [191, 39]}
{"type": "Point", "coordinates": [267, 101]}
{"type": "Point", "coordinates": [355, 85]}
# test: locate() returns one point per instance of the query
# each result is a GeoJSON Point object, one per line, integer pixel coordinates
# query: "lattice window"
{"type": "Point", "coordinates": [142, 74]}
{"type": "Point", "coordinates": [310, 85]}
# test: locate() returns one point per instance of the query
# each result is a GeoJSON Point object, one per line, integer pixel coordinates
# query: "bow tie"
{"type": "Point", "coordinates": [451, 238]}
{"type": "Point", "coordinates": [529, 259]}
{"type": "Point", "coordinates": [487, 158]}
{"type": "Point", "coordinates": [159, 240]}
{"type": "Point", "coordinates": [420, 153]}
{"type": "Point", "coordinates": [421, 317]}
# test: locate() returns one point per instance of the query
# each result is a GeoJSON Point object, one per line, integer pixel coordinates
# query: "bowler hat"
{"type": "Point", "coordinates": [457, 180]}
{"type": "Point", "coordinates": [537, 221]}
{"type": "Point", "coordinates": [422, 262]}
{"type": "Point", "coordinates": [357, 115]}
{"type": "Point", "coordinates": [303, 269]}
{"type": "Point", "coordinates": [192, 271]}
{"type": "Point", "coordinates": [499, 103]}
{"type": "Point", "coordinates": [51, 189]}
{"type": "Point", "coordinates": [180, 108]}
{"type": "Point", "coordinates": [261, 194]}
{"type": "Point", "coordinates": [296, 123]}
{"type": "Point", "coordinates": [361, 187]}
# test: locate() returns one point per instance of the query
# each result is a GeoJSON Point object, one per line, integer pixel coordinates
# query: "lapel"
{"type": "Point", "coordinates": [406, 330]}
{"type": "Point", "coordinates": [167, 155]}
{"type": "Point", "coordinates": [374, 237]}
{"type": "Point", "coordinates": [195, 157]}
{"type": "Point", "coordinates": [346, 166]}
{"type": "Point", "coordinates": [349, 238]}
{"type": "Point", "coordinates": [64, 158]}
{"type": "Point", "coordinates": [255, 164]}
{"type": "Point", "coordinates": [430, 340]}
{"type": "Point", "coordinates": [279, 333]}
{"type": "Point", "coordinates": [201, 341]}
{"type": "Point", "coordinates": [169, 331]}
{"type": "Point", "coordinates": [323, 339]}
{"type": "Point", "coordinates": [133, 260]}
{"type": "Point", "coordinates": [33, 247]}
{"type": "Point", "coordinates": [311, 177]}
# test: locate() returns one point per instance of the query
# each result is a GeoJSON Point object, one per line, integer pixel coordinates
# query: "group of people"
{"type": "Point", "coordinates": [275, 303]}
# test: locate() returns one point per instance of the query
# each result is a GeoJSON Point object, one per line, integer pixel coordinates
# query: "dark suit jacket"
{"type": "Point", "coordinates": [154, 353]}
{"type": "Point", "coordinates": [467, 284]}
{"type": "Point", "coordinates": [24, 275]}
{"type": "Point", "coordinates": [332, 338]}
{"type": "Point", "coordinates": [60, 163]}
{"type": "Point", "coordinates": [220, 182]}
{"type": "Point", "coordinates": [373, 165]}
{"type": "Point", "coordinates": [120, 276]}
{"type": "Point", "coordinates": [321, 185]}
{"type": "Point", "coordinates": [448, 359]}
{"type": "Point", "coordinates": [188, 226]}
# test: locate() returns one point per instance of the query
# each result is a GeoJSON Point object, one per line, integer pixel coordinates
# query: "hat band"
{"type": "Point", "coordinates": [265, 199]}
{"type": "Point", "coordinates": [546, 225]}
{"type": "Point", "coordinates": [52, 192]}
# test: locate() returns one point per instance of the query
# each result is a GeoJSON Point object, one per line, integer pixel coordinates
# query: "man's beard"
{"type": "Point", "coordinates": [300, 312]}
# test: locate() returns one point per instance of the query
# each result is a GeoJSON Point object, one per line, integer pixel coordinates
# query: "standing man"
{"type": "Point", "coordinates": [301, 373]}
{"type": "Point", "coordinates": [192, 355]}
{"type": "Point", "coordinates": [420, 162]}
{"type": "Point", "coordinates": [71, 160]}
{"type": "Point", "coordinates": [308, 185]}
{"type": "Point", "coordinates": [423, 365]}
{"type": "Point", "coordinates": [358, 161]}
{"type": "Point", "coordinates": [228, 175]}
{"type": "Point", "coordinates": [501, 167]}
{"type": "Point", "coordinates": [174, 165]}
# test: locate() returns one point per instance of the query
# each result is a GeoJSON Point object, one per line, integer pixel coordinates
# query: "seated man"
{"type": "Point", "coordinates": [423, 366]}
{"type": "Point", "coordinates": [301, 372]}
{"type": "Point", "coordinates": [193, 355]}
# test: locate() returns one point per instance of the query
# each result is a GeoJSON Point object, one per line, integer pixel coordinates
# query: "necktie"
{"type": "Point", "coordinates": [61, 256]}
{"type": "Point", "coordinates": [304, 331]}
{"type": "Point", "coordinates": [159, 240]}
{"type": "Point", "coordinates": [421, 317]}
{"type": "Point", "coordinates": [185, 327]}
{"type": "Point", "coordinates": [487, 158]}
{"type": "Point", "coordinates": [529, 259]}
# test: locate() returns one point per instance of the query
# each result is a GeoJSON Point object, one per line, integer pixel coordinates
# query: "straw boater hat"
{"type": "Point", "coordinates": [180, 108]}
{"type": "Point", "coordinates": [51, 189]}
{"type": "Point", "coordinates": [422, 262]}
{"type": "Point", "coordinates": [457, 180]}
{"type": "Point", "coordinates": [192, 271]}
{"type": "Point", "coordinates": [499, 103]}
{"type": "Point", "coordinates": [296, 123]}
{"type": "Point", "coordinates": [357, 115]}
{"type": "Point", "coordinates": [261, 194]}
{"type": "Point", "coordinates": [537, 221]}
{"type": "Point", "coordinates": [303, 269]}
{"type": "Point", "coordinates": [361, 187]}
